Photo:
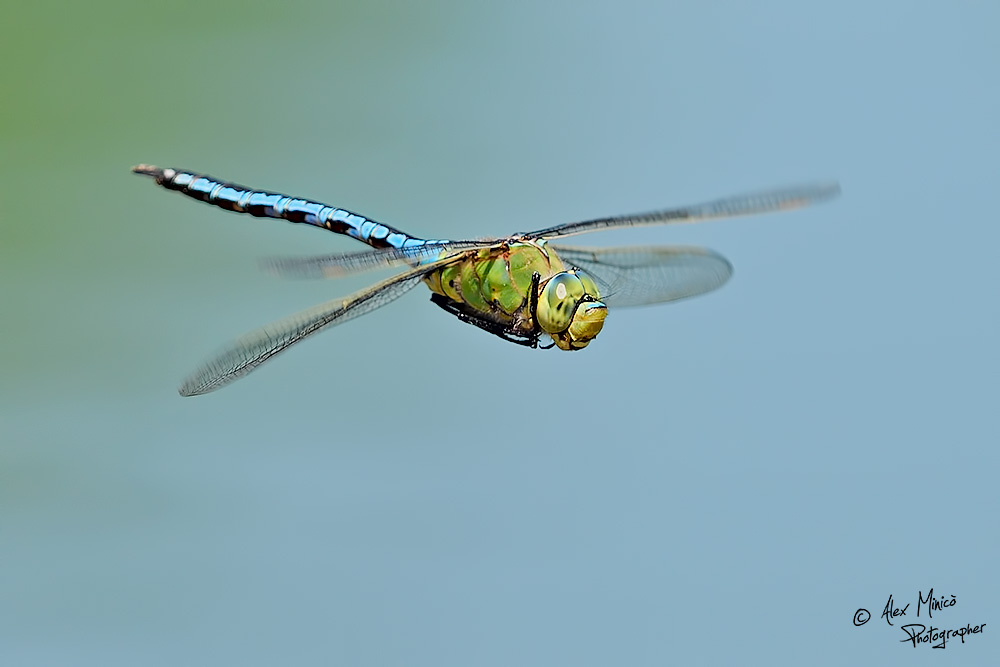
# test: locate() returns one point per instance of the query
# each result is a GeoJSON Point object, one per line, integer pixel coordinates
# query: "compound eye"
{"type": "Point", "coordinates": [589, 285]}
{"type": "Point", "coordinates": [558, 302]}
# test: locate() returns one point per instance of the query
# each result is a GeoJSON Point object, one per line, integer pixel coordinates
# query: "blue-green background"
{"type": "Point", "coordinates": [721, 481]}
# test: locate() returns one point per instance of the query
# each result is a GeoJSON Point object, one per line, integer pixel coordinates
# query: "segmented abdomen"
{"type": "Point", "coordinates": [240, 199]}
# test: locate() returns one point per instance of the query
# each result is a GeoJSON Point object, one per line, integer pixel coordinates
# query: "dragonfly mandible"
{"type": "Point", "coordinates": [521, 288]}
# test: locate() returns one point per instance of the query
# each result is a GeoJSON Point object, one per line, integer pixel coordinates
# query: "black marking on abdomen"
{"type": "Point", "coordinates": [240, 199]}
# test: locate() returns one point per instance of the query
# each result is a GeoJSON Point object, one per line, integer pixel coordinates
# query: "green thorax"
{"type": "Point", "coordinates": [495, 282]}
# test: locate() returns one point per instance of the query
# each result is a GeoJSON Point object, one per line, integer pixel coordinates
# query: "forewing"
{"type": "Point", "coordinates": [344, 264]}
{"type": "Point", "coordinates": [252, 349]}
{"type": "Point", "coordinates": [749, 204]}
{"type": "Point", "coordinates": [642, 275]}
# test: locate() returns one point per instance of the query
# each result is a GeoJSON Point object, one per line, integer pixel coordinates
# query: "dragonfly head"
{"type": "Point", "coordinates": [569, 310]}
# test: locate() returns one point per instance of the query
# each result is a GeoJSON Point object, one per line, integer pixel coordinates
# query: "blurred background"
{"type": "Point", "coordinates": [710, 482]}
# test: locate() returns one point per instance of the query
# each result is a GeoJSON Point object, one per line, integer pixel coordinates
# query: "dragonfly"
{"type": "Point", "coordinates": [521, 288]}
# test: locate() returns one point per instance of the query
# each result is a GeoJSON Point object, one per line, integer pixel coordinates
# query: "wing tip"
{"type": "Point", "coordinates": [189, 389]}
{"type": "Point", "coordinates": [201, 382]}
{"type": "Point", "coordinates": [815, 193]}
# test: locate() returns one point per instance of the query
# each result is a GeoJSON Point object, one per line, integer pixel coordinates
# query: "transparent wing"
{"type": "Point", "coordinates": [750, 204]}
{"type": "Point", "coordinates": [344, 264]}
{"type": "Point", "coordinates": [251, 350]}
{"type": "Point", "coordinates": [642, 275]}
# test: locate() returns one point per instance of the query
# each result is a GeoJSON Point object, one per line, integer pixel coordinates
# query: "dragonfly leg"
{"type": "Point", "coordinates": [495, 328]}
{"type": "Point", "coordinates": [536, 331]}
{"type": "Point", "coordinates": [536, 279]}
